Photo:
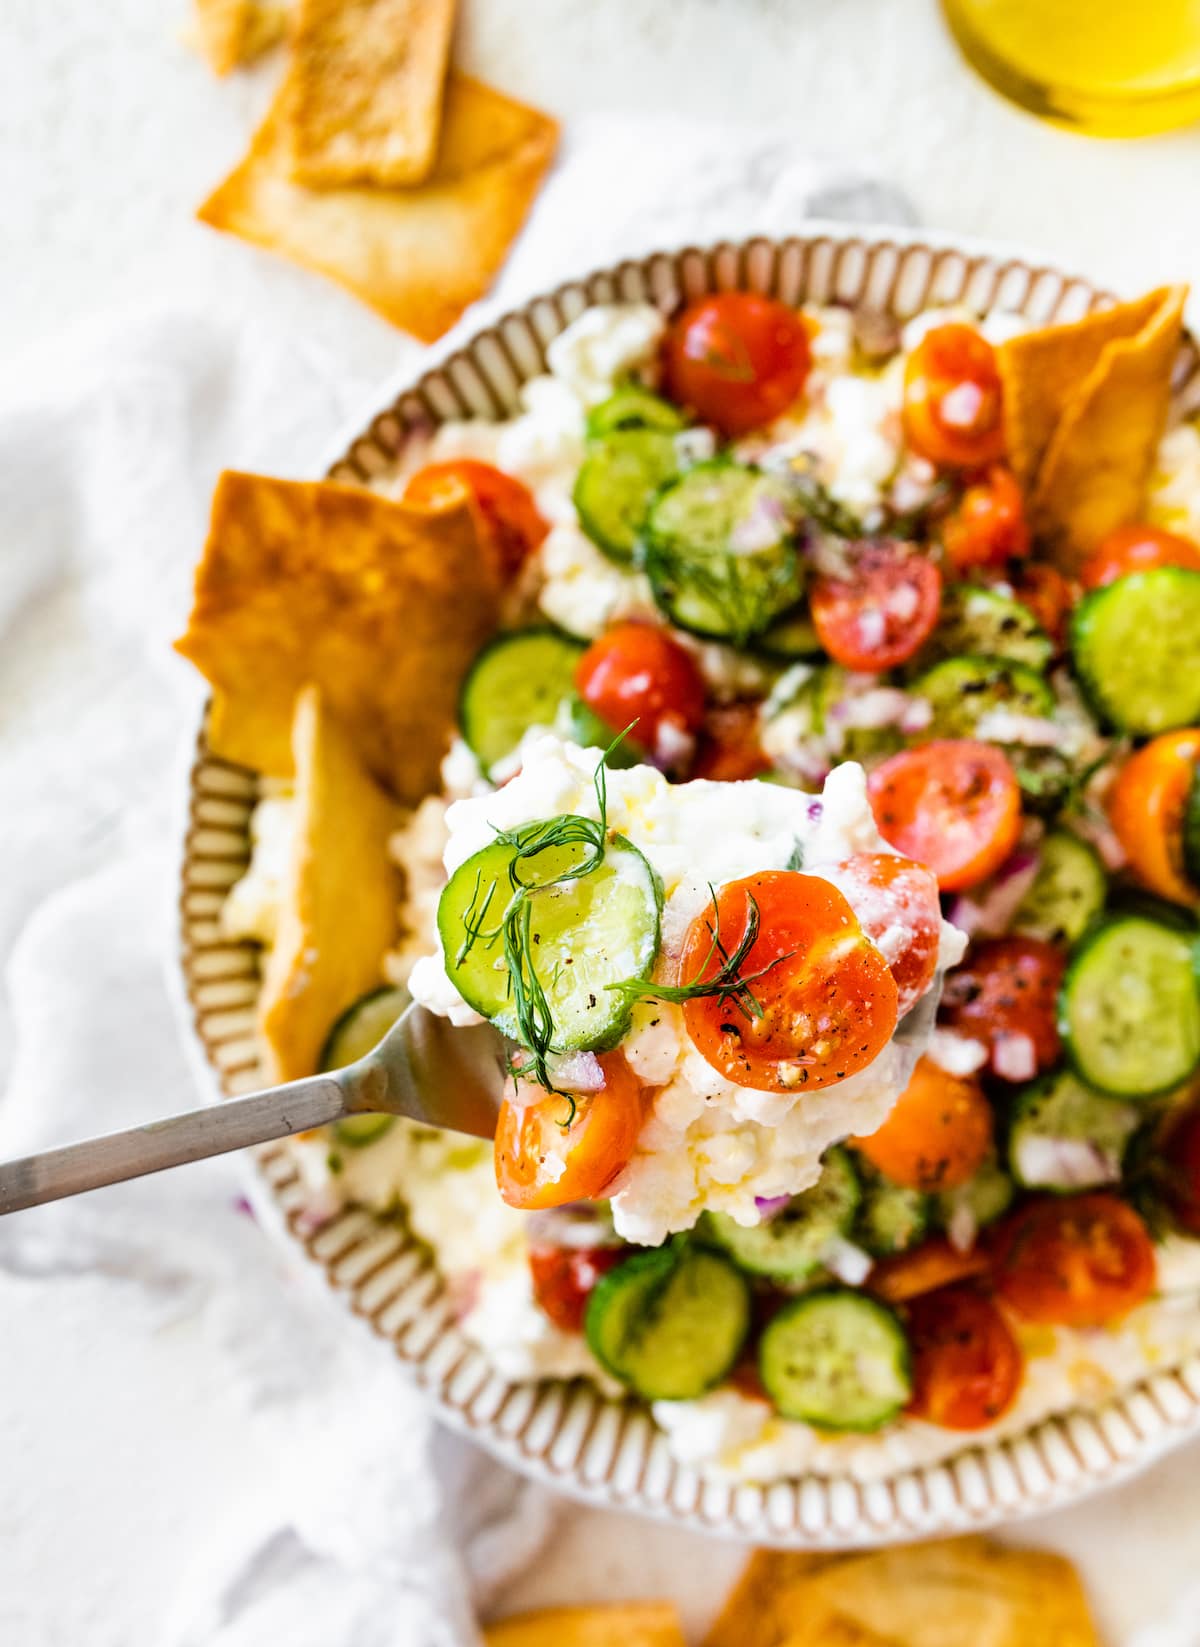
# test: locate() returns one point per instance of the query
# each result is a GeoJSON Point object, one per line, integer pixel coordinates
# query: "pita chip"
{"type": "Point", "coordinates": [229, 34]}
{"type": "Point", "coordinates": [762, 1604]}
{"type": "Point", "coordinates": [419, 256]}
{"type": "Point", "coordinates": [340, 895]}
{"type": "Point", "coordinates": [364, 90]}
{"type": "Point", "coordinates": [380, 605]}
{"type": "Point", "coordinates": [638, 1624]}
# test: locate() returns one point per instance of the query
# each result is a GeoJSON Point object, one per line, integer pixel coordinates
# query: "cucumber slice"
{"type": "Point", "coordinates": [986, 1196]}
{"type": "Point", "coordinates": [358, 1031]}
{"type": "Point", "coordinates": [669, 1323]}
{"type": "Point", "coordinates": [1068, 891]}
{"type": "Point", "coordinates": [632, 407]}
{"type": "Point", "coordinates": [890, 1218]}
{"type": "Point", "coordinates": [620, 475]}
{"type": "Point", "coordinates": [962, 691]}
{"type": "Point", "coordinates": [1136, 646]}
{"type": "Point", "coordinates": [588, 932]}
{"type": "Point", "coordinates": [1191, 831]}
{"type": "Point", "coordinates": [837, 1359]}
{"type": "Point", "coordinates": [1129, 1008]}
{"type": "Point", "coordinates": [1063, 1136]}
{"type": "Point", "coordinates": [794, 635]}
{"type": "Point", "coordinates": [720, 551]}
{"type": "Point", "coordinates": [516, 682]}
{"type": "Point", "coordinates": [981, 622]}
{"type": "Point", "coordinates": [790, 1246]}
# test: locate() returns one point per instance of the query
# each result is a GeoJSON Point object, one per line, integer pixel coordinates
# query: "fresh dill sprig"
{"type": "Point", "coordinates": [474, 918]}
{"type": "Point", "coordinates": [728, 983]}
{"type": "Point", "coordinates": [819, 505]}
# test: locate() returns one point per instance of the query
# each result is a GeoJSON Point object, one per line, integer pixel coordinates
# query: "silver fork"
{"type": "Point", "coordinates": [424, 1069]}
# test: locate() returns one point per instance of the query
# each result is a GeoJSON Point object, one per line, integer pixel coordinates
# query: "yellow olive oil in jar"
{"type": "Point", "coordinates": [1114, 68]}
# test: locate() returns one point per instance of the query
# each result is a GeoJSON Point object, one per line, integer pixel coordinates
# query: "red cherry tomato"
{"type": "Point", "coordinates": [938, 1134]}
{"type": "Point", "coordinates": [884, 612]}
{"type": "Point", "coordinates": [636, 673]}
{"type": "Point", "coordinates": [1073, 1261]}
{"type": "Point", "coordinates": [730, 751]}
{"type": "Point", "coordinates": [987, 527]}
{"type": "Point", "coordinates": [1005, 994]}
{"type": "Point", "coordinates": [737, 360]}
{"type": "Point", "coordinates": [509, 522]}
{"type": "Point", "coordinates": [953, 401]}
{"type": "Point", "coordinates": [1048, 595]}
{"type": "Point", "coordinates": [1179, 1163]}
{"type": "Point", "coordinates": [563, 1279]}
{"type": "Point", "coordinates": [935, 1263]}
{"type": "Point", "coordinates": [953, 804]}
{"type": "Point", "coordinates": [966, 1364]}
{"type": "Point", "coordinates": [1138, 548]}
{"type": "Point", "coordinates": [545, 1157]}
{"type": "Point", "coordinates": [1147, 804]}
{"type": "Point", "coordinates": [896, 902]}
{"type": "Point", "coordinates": [824, 1001]}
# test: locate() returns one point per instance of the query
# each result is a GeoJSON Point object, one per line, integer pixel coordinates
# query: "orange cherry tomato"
{"type": "Point", "coordinates": [1137, 548]}
{"type": "Point", "coordinates": [966, 1364]}
{"type": "Point", "coordinates": [730, 751]}
{"type": "Point", "coordinates": [1048, 595]}
{"type": "Point", "coordinates": [953, 401]}
{"type": "Point", "coordinates": [938, 1133]}
{"type": "Point", "coordinates": [636, 673]}
{"type": "Point", "coordinates": [896, 902]}
{"type": "Point", "coordinates": [1147, 804]}
{"type": "Point", "coordinates": [987, 526]}
{"type": "Point", "coordinates": [564, 1277]}
{"type": "Point", "coordinates": [953, 804]}
{"type": "Point", "coordinates": [545, 1157]}
{"type": "Point", "coordinates": [883, 612]}
{"type": "Point", "coordinates": [1005, 994]}
{"type": "Point", "coordinates": [824, 1002]}
{"type": "Point", "coordinates": [1073, 1261]}
{"type": "Point", "coordinates": [935, 1263]}
{"type": "Point", "coordinates": [736, 359]}
{"type": "Point", "coordinates": [509, 522]}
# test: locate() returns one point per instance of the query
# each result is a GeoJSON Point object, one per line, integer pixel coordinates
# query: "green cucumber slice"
{"type": "Point", "coordinates": [632, 407]}
{"type": "Point", "coordinates": [890, 1218]}
{"type": "Point", "coordinates": [1191, 830]}
{"type": "Point", "coordinates": [620, 475]}
{"type": "Point", "coordinates": [588, 932]}
{"type": "Point", "coordinates": [986, 1196]}
{"type": "Point", "coordinates": [517, 681]}
{"type": "Point", "coordinates": [358, 1031]}
{"type": "Point", "coordinates": [1068, 891]}
{"type": "Point", "coordinates": [962, 691]}
{"type": "Point", "coordinates": [792, 636]}
{"type": "Point", "coordinates": [792, 1244]}
{"type": "Point", "coordinates": [720, 551]}
{"type": "Point", "coordinates": [1065, 1137]}
{"type": "Point", "coordinates": [980, 622]}
{"type": "Point", "coordinates": [1136, 646]}
{"type": "Point", "coordinates": [1129, 1007]}
{"type": "Point", "coordinates": [837, 1359]}
{"type": "Point", "coordinates": [669, 1323]}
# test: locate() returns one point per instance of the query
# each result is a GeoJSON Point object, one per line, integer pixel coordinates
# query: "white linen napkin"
{"type": "Point", "coordinates": [366, 1529]}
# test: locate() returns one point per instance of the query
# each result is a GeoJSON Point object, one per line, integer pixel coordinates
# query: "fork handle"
{"type": "Point", "coordinates": [234, 1124]}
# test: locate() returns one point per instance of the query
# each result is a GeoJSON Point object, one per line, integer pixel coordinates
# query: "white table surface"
{"type": "Point", "coordinates": [110, 133]}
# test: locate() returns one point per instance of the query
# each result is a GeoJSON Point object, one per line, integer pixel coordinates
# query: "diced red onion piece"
{"type": "Point", "coordinates": [1014, 1056]}
{"type": "Point", "coordinates": [769, 1205]}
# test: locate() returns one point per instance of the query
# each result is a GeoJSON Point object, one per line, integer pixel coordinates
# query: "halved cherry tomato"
{"type": "Point", "coordinates": [1048, 595]}
{"type": "Point", "coordinates": [966, 1364]}
{"type": "Point", "coordinates": [1073, 1261]}
{"type": "Point", "coordinates": [987, 526]}
{"type": "Point", "coordinates": [563, 1279]}
{"type": "Point", "coordinates": [1147, 804]}
{"type": "Point", "coordinates": [1178, 1164]}
{"type": "Point", "coordinates": [896, 902]}
{"type": "Point", "coordinates": [730, 750]}
{"type": "Point", "coordinates": [938, 1133]}
{"type": "Point", "coordinates": [1137, 548]}
{"type": "Point", "coordinates": [883, 612]}
{"type": "Point", "coordinates": [636, 673]}
{"type": "Point", "coordinates": [509, 522]}
{"type": "Point", "coordinates": [822, 1002]}
{"type": "Point", "coordinates": [1005, 994]}
{"type": "Point", "coordinates": [935, 1263]}
{"type": "Point", "coordinates": [737, 360]}
{"type": "Point", "coordinates": [953, 410]}
{"type": "Point", "coordinates": [545, 1157]}
{"type": "Point", "coordinates": [953, 804]}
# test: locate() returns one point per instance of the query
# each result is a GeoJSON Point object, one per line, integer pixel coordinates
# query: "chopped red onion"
{"type": "Point", "coordinates": [1014, 1056]}
{"type": "Point", "coordinates": [849, 1263]}
{"type": "Point", "coordinates": [770, 1205]}
{"type": "Point", "coordinates": [989, 914]}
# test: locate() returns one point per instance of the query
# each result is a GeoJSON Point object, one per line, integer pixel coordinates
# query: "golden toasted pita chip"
{"type": "Point", "coordinates": [1043, 370]}
{"type": "Point", "coordinates": [230, 33]}
{"type": "Point", "coordinates": [338, 912]}
{"type": "Point", "coordinates": [364, 90]}
{"type": "Point", "coordinates": [381, 605]}
{"type": "Point", "coordinates": [760, 1606]}
{"type": "Point", "coordinates": [638, 1624]}
{"type": "Point", "coordinates": [1094, 473]}
{"type": "Point", "coordinates": [419, 256]}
